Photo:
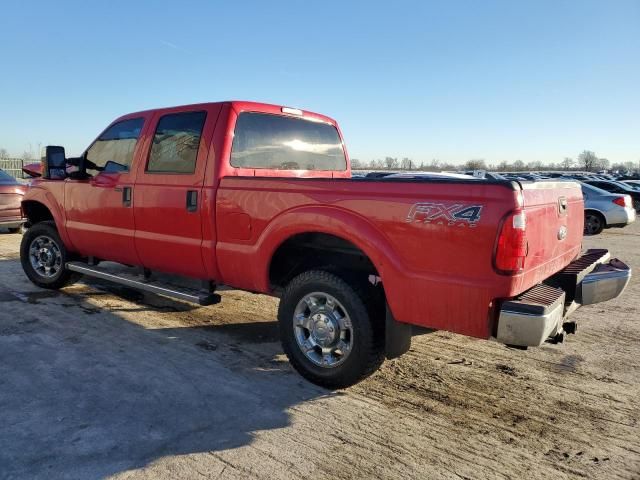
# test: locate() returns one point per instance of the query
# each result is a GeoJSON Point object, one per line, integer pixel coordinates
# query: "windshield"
{"type": "Point", "coordinates": [625, 186]}
{"type": "Point", "coordinates": [6, 178]}
{"type": "Point", "coordinates": [594, 190]}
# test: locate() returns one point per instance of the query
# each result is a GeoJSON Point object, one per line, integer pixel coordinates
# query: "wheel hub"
{"type": "Point", "coordinates": [45, 256]}
{"type": "Point", "coordinates": [323, 330]}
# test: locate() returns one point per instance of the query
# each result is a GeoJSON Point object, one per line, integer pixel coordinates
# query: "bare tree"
{"type": "Point", "coordinates": [476, 164]}
{"type": "Point", "coordinates": [567, 163]}
{"type": "Point", "coordinates": [406, 163]}
{"type": "Point", "coordinates": [518, 165]}
{"type": "Point", "coordinates": [535, 165]}
{"type": "Point", "coordinates": [27, 155]}
{"type": "Point", "coordinates": [355, 163]}
{"type": "Point", "coordinates": [376, 164]}
{"type": "Point", "coordinates": [391, 162]}
{"type": "Point", "coordinates": [4, 153]}
{"type": "Point", "coordinates": [603, 163]}
{"type": "Point", "coordinates": [587, 160]}
{"type": "Point", "coordinates": [503, 166]}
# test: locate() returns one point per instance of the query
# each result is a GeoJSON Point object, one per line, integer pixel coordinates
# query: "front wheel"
{"type": "Point", "coordinates": [594, 223]}
{"type": "Point", "coordinates": [43, 257]}
{"type": "Point", "coordinates": [327, 333]}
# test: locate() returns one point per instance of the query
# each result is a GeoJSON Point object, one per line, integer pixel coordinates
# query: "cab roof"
{"type": "Point", "coordinates": [243, 106]}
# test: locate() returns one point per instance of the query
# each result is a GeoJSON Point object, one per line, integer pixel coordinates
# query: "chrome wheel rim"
{"type": "Point", "coordinates": [45, 256]}
{"type": "Point", "coordinates": [323, 329]}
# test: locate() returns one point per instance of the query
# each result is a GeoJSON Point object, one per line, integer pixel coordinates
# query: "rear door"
{"type": "Point", "coordinates": [168, 191]}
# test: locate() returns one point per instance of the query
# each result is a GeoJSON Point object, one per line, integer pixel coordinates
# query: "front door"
{"type": "Point", "coordinates": [99, 211]}
{"type": "Point", "coordinates": [167, 196]}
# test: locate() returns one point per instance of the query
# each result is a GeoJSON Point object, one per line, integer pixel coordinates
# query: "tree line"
{"type": "Point", "coordinates": [585, 161]}
{"type": "Point", "coordinates": [26, 155]}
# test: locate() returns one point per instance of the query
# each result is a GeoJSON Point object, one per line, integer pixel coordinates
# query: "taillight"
{"type": "Point", "coordinates": [624, 201]}
{"type": "Point", "coordinates": [511, 249]}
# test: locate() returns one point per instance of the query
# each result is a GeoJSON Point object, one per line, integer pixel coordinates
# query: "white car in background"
{"type": "Point", "coordinates": [605, 210]}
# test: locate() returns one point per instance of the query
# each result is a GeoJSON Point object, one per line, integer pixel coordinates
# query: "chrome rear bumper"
{"type": "Point", "coordinates": [605, 282]}
{"type": "Point", "coordinates": [540, 313]}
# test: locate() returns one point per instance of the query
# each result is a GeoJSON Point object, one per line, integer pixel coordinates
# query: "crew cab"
{"type": "Point", "coordinates": [260, 197]}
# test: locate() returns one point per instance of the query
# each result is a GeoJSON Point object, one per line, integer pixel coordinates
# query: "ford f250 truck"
{"type": "Point", "coordinates": [260, 198]}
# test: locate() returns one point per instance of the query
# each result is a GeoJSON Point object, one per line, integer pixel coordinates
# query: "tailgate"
{"type": "Point", "coordinates": [555, 217]}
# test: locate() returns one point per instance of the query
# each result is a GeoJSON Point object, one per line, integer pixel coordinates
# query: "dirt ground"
{"type": "Point", "coordinates": [98, 381]}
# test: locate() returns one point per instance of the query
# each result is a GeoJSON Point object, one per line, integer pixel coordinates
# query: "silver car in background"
{"type": "Point", "coordinates": [605, 210]}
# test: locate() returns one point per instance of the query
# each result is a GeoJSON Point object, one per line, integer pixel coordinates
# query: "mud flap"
{"type": "Point", "coordinates": [397, 336]}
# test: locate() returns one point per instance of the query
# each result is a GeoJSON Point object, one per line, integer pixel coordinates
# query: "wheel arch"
{"type": "Point", "coordinates": [40, 205]}
{"type": "Point", "coordinates": [597, 212]}
{"type": "Point", "coordinates": [36, 212]}
{"type": "Point", "coordinates": [324, 223]}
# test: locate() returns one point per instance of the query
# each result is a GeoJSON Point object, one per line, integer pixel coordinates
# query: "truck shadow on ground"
{"type": "Point", "coordinates": [88, 396]}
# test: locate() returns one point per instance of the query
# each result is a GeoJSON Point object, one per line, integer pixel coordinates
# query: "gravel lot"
{"type": "Point", "coordinates": [99, 381]}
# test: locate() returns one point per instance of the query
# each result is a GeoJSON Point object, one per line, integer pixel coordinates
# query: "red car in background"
{"type": "Point", "coordinates": [11, 193]}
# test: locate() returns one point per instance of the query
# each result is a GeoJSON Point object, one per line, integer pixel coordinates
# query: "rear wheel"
{"type": "Point", "coordinates": [43, 257]}
{"type": "Point", "coordinates": [594, 223]}
{"type": "Point", "coordinates": [326, 331]}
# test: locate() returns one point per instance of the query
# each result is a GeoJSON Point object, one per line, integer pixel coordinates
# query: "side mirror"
{"type": "Point", "coordinates": [54, 163]}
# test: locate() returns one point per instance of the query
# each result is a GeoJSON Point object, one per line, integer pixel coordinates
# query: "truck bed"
{"type": "Point", "coordinates": [431, 240]}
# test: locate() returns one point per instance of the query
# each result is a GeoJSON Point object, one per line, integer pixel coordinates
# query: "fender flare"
{"type": "Point", "coordinates": [340, 223]}
{"type": "Point", "coordinates": [48, 200]}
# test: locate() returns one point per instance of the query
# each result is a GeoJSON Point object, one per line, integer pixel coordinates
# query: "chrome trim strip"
{"type": "Point", "coordinates": [205, 299]}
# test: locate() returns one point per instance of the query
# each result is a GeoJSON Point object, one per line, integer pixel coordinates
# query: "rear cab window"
{"type": "Point", "coordinates": [278, 142]}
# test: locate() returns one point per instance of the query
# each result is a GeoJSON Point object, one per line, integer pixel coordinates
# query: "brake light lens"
{"type": "Point", "coordinates": [624, 201]}
{"type": "Point", "coordinates": [511, 249]}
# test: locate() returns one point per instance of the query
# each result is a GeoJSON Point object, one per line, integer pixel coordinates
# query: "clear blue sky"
{"type": "Point", "coordinates": [453, 80]}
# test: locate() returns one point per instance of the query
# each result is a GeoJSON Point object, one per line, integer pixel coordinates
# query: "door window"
{"type": "Point", "coordinates": [176, 142]}
{"type": "Point", "coordinates": [113, 150]}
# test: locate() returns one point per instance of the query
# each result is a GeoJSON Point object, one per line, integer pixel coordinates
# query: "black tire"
{"type": "Point", "coordinates": [636, 205]}
{"type": "Point", "coordinates": [594, 223]}
{"type": "Point", "coordinates": [366, 352]}
{"type": "Point", "coordinates": [62, 277]}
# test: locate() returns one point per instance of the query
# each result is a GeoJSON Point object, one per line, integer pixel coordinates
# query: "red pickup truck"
{"type": "Point", "coordinates": [260, 197]}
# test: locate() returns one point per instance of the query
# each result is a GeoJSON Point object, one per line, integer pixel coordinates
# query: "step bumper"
{"type": "Point", "coordinates": [540, 314]}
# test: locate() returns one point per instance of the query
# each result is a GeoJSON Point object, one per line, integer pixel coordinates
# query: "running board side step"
{"type": "Point", "coordinates": [193, 296]}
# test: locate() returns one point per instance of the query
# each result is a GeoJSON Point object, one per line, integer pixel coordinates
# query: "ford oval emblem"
{"type": "Point", "coordinates": [562, 233]}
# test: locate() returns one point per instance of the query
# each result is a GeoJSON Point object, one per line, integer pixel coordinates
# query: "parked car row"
{"type": "Point", "coordinates": [609, 200]}
{"type": "Point", "coordinates": [603, 209]}
{"type": "Point", "coordinates": [609, 203]}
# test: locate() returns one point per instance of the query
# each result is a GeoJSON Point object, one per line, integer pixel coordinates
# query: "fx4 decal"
{"type": "Point", "coordinates": [453, 215]}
